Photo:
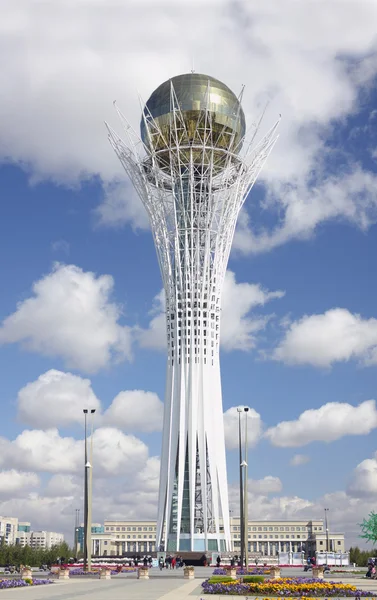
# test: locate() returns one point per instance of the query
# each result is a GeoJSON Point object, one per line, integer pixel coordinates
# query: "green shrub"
{"type": "Point", "coordinates": [29, 581]}
{"type": "Point", "coordinates": [253, 579]}
{"type": "Point", "coordinates": [220, 579]}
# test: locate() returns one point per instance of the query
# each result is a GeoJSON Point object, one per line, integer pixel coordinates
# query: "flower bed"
{"type": "Point", "coordinates": [241, 571]}
{"type": "Point", "coordinates": [95, 571]}
{"type": "Point", "coordinates": [286, 586]}
{"type": "Point", "coordinates": [5, 584]}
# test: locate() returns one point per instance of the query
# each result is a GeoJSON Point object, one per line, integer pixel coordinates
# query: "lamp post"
{"type": "Point", "coordinates": [240, 410]}
{"type": "Point", "coordinates": [90, 494]}
{"type": "Point", "coordinates": [77, 525]}
{"type": "Point", "coordinates": [86, 469]}
{"type": "Point", "coordinates": [245, 502]}
{"type": "Point", "coordinates": [327, 532]}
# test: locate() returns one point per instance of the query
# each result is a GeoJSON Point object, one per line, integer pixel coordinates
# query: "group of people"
{"type": "Point", "coordinates": [170, 562]}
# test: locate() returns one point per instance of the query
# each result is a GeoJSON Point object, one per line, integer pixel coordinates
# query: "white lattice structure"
{"type": "Point", "coordinates": [193, 180]}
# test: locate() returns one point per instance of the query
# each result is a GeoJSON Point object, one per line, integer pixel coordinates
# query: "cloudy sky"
{"type": "Point", "coordinates": [81, 308]}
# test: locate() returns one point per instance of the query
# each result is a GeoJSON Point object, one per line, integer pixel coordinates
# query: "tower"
{"type": "Point", "coordinates": [192, 168]}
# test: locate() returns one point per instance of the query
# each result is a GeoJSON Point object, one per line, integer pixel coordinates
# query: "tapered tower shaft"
{"type": "Point", "coordinates": [192, 179]}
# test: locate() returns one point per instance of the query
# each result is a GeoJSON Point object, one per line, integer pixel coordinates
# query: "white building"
{"type": "Point", "coordinates": [8, 529]}
{"type": "Point", "coordinates": [40, 539]}
{"type": "Point", "coordinates": [192, 178]}
{"type": "Point", "coordinates": [265, 538]}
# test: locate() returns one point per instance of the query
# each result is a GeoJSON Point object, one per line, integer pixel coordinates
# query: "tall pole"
{"type": "Point", "coordinates": [239, 410]}
{"type": "Point", "coordinates": [245, 502]}
{"type": "Point", "coordinates": [327, 532]}
{"type": "Point", "coordinates": [90, 494]}
{"type": "Point", "coordinates": [77, 525]}
{"type": "Point", "coordinates": [85, 411]}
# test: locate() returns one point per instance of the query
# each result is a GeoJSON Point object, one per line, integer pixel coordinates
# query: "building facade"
{"type": "Point", "coordinates": [192, 178]}
{"type": "Point", "coordinates": [40, 539]}
{"type": "Point", "coordinates": [265, 538]}
{"type": "Point", "coordinates": [8, 530]}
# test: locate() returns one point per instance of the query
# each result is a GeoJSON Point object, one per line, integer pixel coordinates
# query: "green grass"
{"type": "Point", "coordinates": [253, 579]}
{"type": "Point", "coordinates": [220, 579]}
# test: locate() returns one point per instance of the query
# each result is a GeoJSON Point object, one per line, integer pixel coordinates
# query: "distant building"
{"type": "Point", "coordinates": [265, 538]}
{"type": "Point", "coordinates": [8, 530]}
{"type": "Point", "coordinates": [24, 526]}
{"type": "Point", "coordinates": [97, 528]}
{"type": "Point", "coordinates": [40, 539]}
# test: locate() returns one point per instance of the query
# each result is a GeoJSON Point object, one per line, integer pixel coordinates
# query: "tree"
{"type": "Point", "coordinates": [369, 528]}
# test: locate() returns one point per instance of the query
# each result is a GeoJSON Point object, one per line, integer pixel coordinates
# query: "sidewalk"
{"type": "Point", "coordinates": [131, 589]}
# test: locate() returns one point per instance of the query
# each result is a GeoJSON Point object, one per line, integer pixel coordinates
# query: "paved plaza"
{"type": "Point", "coordinates": [164, 585]}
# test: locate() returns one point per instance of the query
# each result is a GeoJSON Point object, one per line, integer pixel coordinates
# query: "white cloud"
{"type": "Point", "coordinates": [135, 410]}
{"type": "Point", "coordinates": [70, 315]}
{"type": "Point", "coordinates": [299, 459]}
{"type": "Point", "coordinates": [54, 69]}
{"type": "Point", "coordinates": [363, 482]}
{"type": "Point", "coordinates": [328, 423]}
{"type": "Point", "coordinates": [321, 340]}
{"type": "Point", "coordinates": [154, 336]}
{"type": "Point", "coordinates": [121, 205]}
{"type": "Point", "coordinates": [63, 486]}
{"type": "Point", "coordinates": [350, 197]}
{"type": "Point", "coordinates": [231, 427]}
{"type": "Point", "coordinates": [55, 398]}
{"type": "Point", "coordinates": [238, 326]}
{"type": "Point", "coordinates": [13, 482]}
{"type": "Point", "coordinates": [114, 453]}
{"type": "Point", "coordinates": [267, 485]}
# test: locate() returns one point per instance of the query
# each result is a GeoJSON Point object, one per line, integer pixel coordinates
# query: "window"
{"type": "Point", "coordinates": [123, 529]}
{"type": "Point", "coordinates": [259, 528]}
{"type": "Point", "coordinates": [339, 543]}
{"type": "Point", "coordinates": [128, 528]}
{"type": "Point", "coordinates": [133, 528]}
{"type": "Point", "coordinates": [254, 528]}
{"type": "Point", "coordinates": [105, 542]}
{"type": "Point", "coordinates": [270, 529]}
{"type": "Point", "coordinates": [264, 528]}
{"type": "Point", "coordinates": [321, 543]}
{"type": "Point", "coordinates": [118, 529]}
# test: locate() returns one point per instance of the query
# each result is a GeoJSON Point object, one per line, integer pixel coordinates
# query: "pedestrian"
{"type": "Point", "coordinates": [161, 563]}
{"type": "Point", "coordinates": [173, 562]}
{"type": "Point", "coordinates": [218, 561]}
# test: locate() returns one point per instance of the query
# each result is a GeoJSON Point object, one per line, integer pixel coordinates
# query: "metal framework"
{"type": "Point", "coordinates": [193, 204]}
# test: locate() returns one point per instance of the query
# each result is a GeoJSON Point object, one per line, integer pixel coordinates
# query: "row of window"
{"type": "Point", "coordinates": [271, 536]}
{"type": "Point", "coordinates": [130, 529]}
{"type": "Point", "coordinates": [237, 528]}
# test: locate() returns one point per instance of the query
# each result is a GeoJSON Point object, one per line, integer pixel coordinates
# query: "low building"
{"type": "Point", "coordinates": [97, 528]}
{"type": "Point", "coordinates": [265, 538]}
{"type": "Point", "coordinates": [8, 530]}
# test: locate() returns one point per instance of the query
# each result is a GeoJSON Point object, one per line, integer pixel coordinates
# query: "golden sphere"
{"type": "Point", "coordinates": [204, 137]}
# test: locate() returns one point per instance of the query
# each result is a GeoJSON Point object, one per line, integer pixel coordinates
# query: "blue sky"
{"type": "Point", "coordinates": [92, 326]}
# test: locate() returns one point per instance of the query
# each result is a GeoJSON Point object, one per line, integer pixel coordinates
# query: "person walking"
{"type": "Point", "coordinates": [173, 562]}
{"type": "Point", "coordinates": [218, 560]}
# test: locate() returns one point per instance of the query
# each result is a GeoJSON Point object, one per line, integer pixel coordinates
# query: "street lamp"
{"type": "Point", "coordinates": [90, 493]}
{"type": "Point", "coordinates": [245, 502]}
{"type": "Point", "coordinates": [87, 494]}
{"type": "Point", "coordinates": [327, 532]}
{"type": "Point", "coordinates": [242, 526]}
{"type": "Point", "coordinates": [77, 525]}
